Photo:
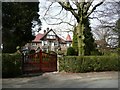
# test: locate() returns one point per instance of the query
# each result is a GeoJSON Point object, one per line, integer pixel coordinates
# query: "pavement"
{"type": "Point", "coordinates": [64, 80]}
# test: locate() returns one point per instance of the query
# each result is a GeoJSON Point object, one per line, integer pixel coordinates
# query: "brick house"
{"type": "Point", "coordinates": [50, 41]}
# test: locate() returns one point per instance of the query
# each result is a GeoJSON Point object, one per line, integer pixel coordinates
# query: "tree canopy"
{"type": "Point", "coordinates": [17, 20]}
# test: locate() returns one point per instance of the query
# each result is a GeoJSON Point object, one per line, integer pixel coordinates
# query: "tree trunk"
{"type": "Point", "coordinates": [86, 45]}
{"type": "Point", "coordinates": [80, 38]}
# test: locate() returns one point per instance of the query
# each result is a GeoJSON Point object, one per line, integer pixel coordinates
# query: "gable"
{"type": "Point", "coordinates": [51, 35]}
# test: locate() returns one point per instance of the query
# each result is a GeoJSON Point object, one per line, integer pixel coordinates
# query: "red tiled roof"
{"type": "Point", "coordinates": [68, 38]}
{"type": "Point", "coordinates": [38, 37]}
{"type": "Point", "coordinates": [62, 40]}
{"type": "Point", "coordinates": [41, 36]}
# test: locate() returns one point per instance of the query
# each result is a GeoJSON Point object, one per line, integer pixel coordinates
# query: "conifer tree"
{"type": "Point", "coordinates": [16, 24]}
{"type": "Point", "coordinates": [90, 46]}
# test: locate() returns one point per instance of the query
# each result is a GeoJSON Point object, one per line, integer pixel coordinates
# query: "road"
{"type": "Point", "coordinates": [65, 80]}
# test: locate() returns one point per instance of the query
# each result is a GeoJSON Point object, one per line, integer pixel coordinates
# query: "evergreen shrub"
{"type": "Point", "coordinates": [71, 51]}
{"type": "Point", "coordinates": [11, 65]}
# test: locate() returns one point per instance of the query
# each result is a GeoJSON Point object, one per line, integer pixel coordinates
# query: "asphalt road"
{"type": "Point", "coordinates": [65, 80]}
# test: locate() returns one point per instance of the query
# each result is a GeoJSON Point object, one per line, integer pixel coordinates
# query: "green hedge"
{"type": "Point", "coordinates": [88, 63]}
{"type": "Point", "coordinates": [11, 65]}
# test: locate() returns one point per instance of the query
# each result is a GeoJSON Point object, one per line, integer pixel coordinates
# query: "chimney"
{"type": "Point", "coordinates": [47, 29]}
{"type": "Point", "coordinates": [44, 31]}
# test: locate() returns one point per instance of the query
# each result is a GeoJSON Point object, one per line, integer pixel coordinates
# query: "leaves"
{"type": "Point", "coordinates": [17, 18]}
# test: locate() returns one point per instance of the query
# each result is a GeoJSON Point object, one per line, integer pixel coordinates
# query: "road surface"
{"type": "Point", "coordinates": [65, 80]}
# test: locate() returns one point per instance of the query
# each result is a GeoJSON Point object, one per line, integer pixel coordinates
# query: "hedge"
{"type": "Point", "coordinates": [88, 63]}
{"type": "Point", "coordinates": [11, 65]}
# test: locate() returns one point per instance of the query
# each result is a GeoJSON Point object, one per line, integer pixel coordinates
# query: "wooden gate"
{"type": "Point", "coordinates": [39, 62]}
{"type": "Point", "coordinates": [49, 62]}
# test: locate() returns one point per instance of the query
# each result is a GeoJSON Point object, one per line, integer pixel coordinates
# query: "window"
{"type": "Point", "coordinates": [50, 36]}
{"type": "Point", "coordinates": [33, 44]}
{"type": "Point", "coordinates": [45, 42]}
{"type": "Point", "coordinates": [55, 43]}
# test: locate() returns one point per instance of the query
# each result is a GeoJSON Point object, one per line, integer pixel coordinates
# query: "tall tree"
{"type": "Point", "coordinates": [16, 21]}
{"type": "Point", "coordinates": [90, 46]}
{"type": "Point", "coordinates": [81, 10]}
{"type": "Point", "coordinates": [75, 41]}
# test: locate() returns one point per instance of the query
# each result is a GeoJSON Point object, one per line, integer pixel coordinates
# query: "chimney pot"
{"type": "Point", "coordinates": [47, 29]}
{"type": "Point", "coordinates": [44, 31]}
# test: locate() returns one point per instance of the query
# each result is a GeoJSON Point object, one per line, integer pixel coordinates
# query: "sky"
{"type": "Point", "coordinates": [55, 8]}
{"type": "Point", "coordinates": [53, 11]}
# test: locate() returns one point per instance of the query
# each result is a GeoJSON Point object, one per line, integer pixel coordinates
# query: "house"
{"type": "Point", "coordinates": [102, 45]}
{"type": "Point", "coordinates": [68, 40]}
{"type": "Point", "coordinates": [50, 41]}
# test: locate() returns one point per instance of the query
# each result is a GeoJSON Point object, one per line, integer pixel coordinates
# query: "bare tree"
{"type": "Point", "coordinates": [107, 17]}
{"type": "Point", "coordinates": [107, 35]}
{"type": "Point", "coordinates": [80, 10]}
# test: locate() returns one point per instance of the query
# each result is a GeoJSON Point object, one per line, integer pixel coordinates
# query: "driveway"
{"type": "Point", "coordinates": [65, 80]}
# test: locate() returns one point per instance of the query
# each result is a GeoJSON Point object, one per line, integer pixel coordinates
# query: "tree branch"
{"type": "Point", "coordinates": [68, 7]}
{"type": "Point", "coordinates": [48, 9]}
{"type": "Point", "coordinates": [59, 12]}
{"type": "Point", "coordinates": [88, 6]}
{"type": "Point", "coordinates": [95, 8]}
{"type": "Point", "coordinates": [61, 21]}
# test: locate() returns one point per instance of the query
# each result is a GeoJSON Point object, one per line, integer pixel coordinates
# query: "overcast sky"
{"type": "Point", "coordinates": [55, 9]}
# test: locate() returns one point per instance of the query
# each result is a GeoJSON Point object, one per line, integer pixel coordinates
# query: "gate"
{"type": "Point", "coordinates": [39, 62]}
{"type": "Point", "coordinates": [49, 62]}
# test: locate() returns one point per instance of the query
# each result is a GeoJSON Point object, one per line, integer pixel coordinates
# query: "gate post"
{"type": "Point", "coordinates": [56, 62]}
{"type": "Point", "coordinates": [40, 60]}
{"type": "Point", "coordinates": [22, 63]}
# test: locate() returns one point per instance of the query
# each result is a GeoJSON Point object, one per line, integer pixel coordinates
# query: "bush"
{"type": "Point", "coordinates": [110, 53]}
{"type": "Point", "coordinates": [118, 50]}
{"type": "Point", "coordinates": [32, 51]}
{"type": "Point", "coordinates": [11, 65]}
{"type": "Point", "coordinates": [88, 63]}
{"type": "Point", "coordinates": [96, 53]}
{"type": "Point", "coordinates": [71, 51]}
{"type": "Point", "coordinates": [62, 52]}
